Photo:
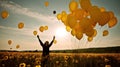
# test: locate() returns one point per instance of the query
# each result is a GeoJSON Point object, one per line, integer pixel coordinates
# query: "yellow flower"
{"type": "Point", "coordinates": [22, 65]}
{"type": "Point", "coordinates": [38, 66]}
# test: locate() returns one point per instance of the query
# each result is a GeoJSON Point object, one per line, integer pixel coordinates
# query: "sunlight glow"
{"type": "Point", "coordinates": [60, 32]}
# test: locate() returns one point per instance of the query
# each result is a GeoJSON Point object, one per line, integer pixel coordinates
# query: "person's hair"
{"type": "Point", "coordinates": [46, 42]}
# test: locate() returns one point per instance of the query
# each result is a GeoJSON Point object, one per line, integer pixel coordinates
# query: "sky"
{"type": "Point", "coordinates": [35, 14]}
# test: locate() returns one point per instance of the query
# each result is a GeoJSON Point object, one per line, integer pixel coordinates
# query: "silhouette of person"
{"type": "Point", "coordinates": [45, 52]}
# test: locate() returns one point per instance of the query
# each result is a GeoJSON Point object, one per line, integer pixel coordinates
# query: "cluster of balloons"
{"type": "Point", "coordinates": [83, 20]}
{"type": "Point", "coordinates": [10, 42]}
{"type": "Point", "coordinates": [4, 14]}
{"type": "Point", "coordinates": [41, 29]}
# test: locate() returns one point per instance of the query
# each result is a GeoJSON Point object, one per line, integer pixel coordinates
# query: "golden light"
{"type": "Point", "coordinates": [60, 32]}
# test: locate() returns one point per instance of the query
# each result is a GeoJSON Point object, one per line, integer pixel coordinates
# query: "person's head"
{"type": "Point", "coordinates": [46, 43]}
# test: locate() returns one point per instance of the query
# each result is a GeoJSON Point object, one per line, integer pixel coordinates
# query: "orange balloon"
{"type": "Point", "coordinates": [90, 39]}
{"type": "Point", "coordinates": [79, 13]}
{"type": "Point", "coordinates": [4, 14]}
{"type": "Point", "coordinates": [17, 46]}
{"type": "Point", "coordinates": [9, 42]}
{"type": "Point", "coordinates": [20, 25]}
{"type": "Point", "coordinates": [68, 28]}
{"type": "Point", "coordinates": [105, 17]}
{"type": "Point", "coordinates": [105, 32]}
{"type": "Point", "coordinates": [73, 5]}
{"type": "Point", "coordinates": [73, 32]}
{"type": "Point", "coordinates": [111, 14]}
{"type": "Point", "coordinates": [55, 41]}
{"type": "Point", "coordinates": [95, 33]}
{"type": "Point", "coordinates": [46, 27]}
{"type": "Point", "coordinates": [85, 4]}
{"type": "Point", "coordinates": [89, 32]}
{"type": "Point", "coordinates": [102, 9]}
{"type": "Point", "coordinates": [112, 22]}
{"type": "Point", "coordinates": [79, 35]}
{"type": "Point", "coordinates": [41, 29]}
{"type": "Point", "coordinates": [71, 20]}
{"type": "Point", "coordinates": [95, 13]}
{"type": "Point", "coordinates": [46, 3]}
{"type": "Point", "coordinates": [63, 13]}
{"type": "Point", "coordinates": [35, 32]}
{"type": "Point", "coordinates": [64, 19]}
{"type": "Point", "coordinates": [59, 16]}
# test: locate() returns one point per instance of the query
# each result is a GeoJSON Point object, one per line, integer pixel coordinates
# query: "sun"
{"type": "Point", "coordinates": [60, 32]}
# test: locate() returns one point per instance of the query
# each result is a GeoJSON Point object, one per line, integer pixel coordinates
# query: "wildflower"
{"type": "Point", "coordinates": [38, 66]}
{"type": "Point", "coordinates": [22, 65]}
{"type": "Point", "coordinates": [107, 65]}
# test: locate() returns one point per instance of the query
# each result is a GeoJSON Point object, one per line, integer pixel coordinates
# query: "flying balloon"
{"type": "Point", "coordinates": [55, 41]}
{"type": "Point", "coordinates": [35, 32]}
{"type": "Point", "coordinates": [9, 42]}
{"type": "Point", "coordinates": [20, 25]}
{"type": "Point", "coordinates": [46, 27]}
{"type": "Point", "coordinates": [105, 32]}
{"type": "Point", "coordinates": [17, 46]}
{"type": "Point", "coordinates": [46, 3]}
{"type": "Point", "coordinates": [4, 14]}
{"type": "Point", "coordinates": [41, 28]}
{"type": "Point", "coordinates": [54, 12]}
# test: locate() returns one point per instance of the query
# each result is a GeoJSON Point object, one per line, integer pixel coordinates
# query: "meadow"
{"type": "Point", "coordinates": [33, 59]}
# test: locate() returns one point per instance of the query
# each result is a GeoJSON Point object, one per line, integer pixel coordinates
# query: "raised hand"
{"type": "Point", "coordinates": [37, 36]}
{"type": "Point", "coordinates": [54, 38]}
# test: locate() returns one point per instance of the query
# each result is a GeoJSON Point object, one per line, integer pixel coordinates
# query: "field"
{"type": "Point", "coordinates": [33, 59]}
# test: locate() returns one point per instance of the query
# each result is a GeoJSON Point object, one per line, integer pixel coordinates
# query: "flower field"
{"type": "Point", "coordinates": [33, 59]}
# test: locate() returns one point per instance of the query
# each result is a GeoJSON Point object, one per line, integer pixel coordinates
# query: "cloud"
{"type": "Point", "coordinates": [24, 31]}
{"type": "Point", "coordinates": [25, 11]}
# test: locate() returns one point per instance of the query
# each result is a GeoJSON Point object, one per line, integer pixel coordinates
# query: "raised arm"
{"type": "Point", "coordinates": [52, 41]}
{"type": "Point", "coordinates": [40, 40]}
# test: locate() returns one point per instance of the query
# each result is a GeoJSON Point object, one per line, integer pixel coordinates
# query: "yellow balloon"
{"type": "Point", "coordinates": [20, 25]}
{"type": "Point", "coordinates": [59, 16]}
{"type": "Point", "coordinates": [90, 39]}
{"type": "Point", "coordinates": [79, 13]}
{"type": "Point", "coordinates": [63, 13]}
{"type": "Point", "coordinates": [68, 28]}
{"type": "Point", "coordinates": [89, 32]}
{"type": "Point", "coordinates": [17, 46]}
{"type": "Point", "coordinates": [112, 22]}
{"type": "Point", "coordinates": [41, 28]}
{"type": "Point", "coordinates": [105, 17]}
{"type": "Point", "coordinates": [105, 32]}
{"type": "Point", "coordinates": [64, 19]}
{"type": "Point", "coordinates": [73, 32]}
{"type": "Point", "coordinates": [46, 3]}
{"type": "Point", "coordinates": [73, 5]}
{"type": "Point", "coordinates": [85, 4]}
{"type": "Point", "coordinates": [46, 27]}
{"type": "Point", "coordinates": [9, 42]}
{"type": "Point", "coordinates": [71, 20]}
{"type": "Point", "coordinates": [79, 35]}
{"type": "Point", "coordinates": [4, 14]}
{"type": "Point", "coordinates": [111, 14]}
{"type": "Point", "coordinates": [95, 13]}
{"type": "Point", "coordinates": [102, 9]}
{"type": "Point", "coordinates": [95, 33]}
{"type": "Point", "coordinates": [35, 32]}
{"type": "Point", "coordinates": [55, 41]}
